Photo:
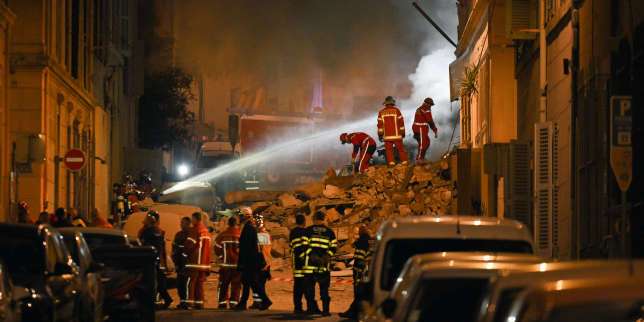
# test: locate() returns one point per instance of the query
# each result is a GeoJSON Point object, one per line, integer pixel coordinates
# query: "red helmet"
{"type": "Point", "coordinates": [344, 138]}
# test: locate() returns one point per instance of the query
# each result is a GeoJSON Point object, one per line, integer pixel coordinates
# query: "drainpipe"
{"type": "Point", "coordinates": [574, 105]}
{"type": "Point", "coordinates": [543, 82]}
{"type": "Point", "coordinates": [59, 99]}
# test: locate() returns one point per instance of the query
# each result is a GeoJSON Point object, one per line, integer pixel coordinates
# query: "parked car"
{"type": "Point", "coordinates": [594, 300]}
{"type": "Point", "coordinates": [92, 290]}
{"type": "Point", "coordinates": [128, 274]}
{"type": "Point", "coordinates": [420, 285]}
{"type": "Point", "coordinates": [39, 262]}
{"type": "Point", "coordinates": [496, 304]}
{"type": "Point", "coordinates": [399, 239]}
{"type": "Point", "coordinates": [9, 301]}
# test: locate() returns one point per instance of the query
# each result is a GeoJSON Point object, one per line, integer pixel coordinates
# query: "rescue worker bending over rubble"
{"type": "Point", "coordinates": [363, 148]}
{"type": "Point", "coordinates": [179, 258]}
{"type": "Point", "coordinates": [423, 121]}
{"type": "Point", "coordinates": [391, 130]}
{"type": "Point", "coordinates": [299, 243]}
{"type": "Point", "coordinates": [227, 249]}
{"type": "Point", "coordinates": [151, 235]}
{"type": "Point", "coordinates": [197, 247]}
{"type": "Point", "coordinates": [361, 258]}
{"type": "Point", "coordinates": [322, 245]}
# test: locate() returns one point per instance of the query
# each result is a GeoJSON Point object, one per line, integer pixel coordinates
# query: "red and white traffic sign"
{"type": "Point", "coordinates": [74, 159]}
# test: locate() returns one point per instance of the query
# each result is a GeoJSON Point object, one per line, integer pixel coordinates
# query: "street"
{"type": "Point", "coordinates": [247, 316]}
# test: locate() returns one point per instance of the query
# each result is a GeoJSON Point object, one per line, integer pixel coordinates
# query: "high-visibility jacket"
{"type": "Point", "coordinates": [361, 257]}
{"type": "Point", "coordinates": [197, 247]}
{"type": "Point", "coordinates": [178, 255]}
{"type": "Point", "coordinates": [423, 118]}
{"type": "Point", "coordinates": [155, 237]}
{"type": "Point", "coordinates": [360, 140]}
{"type": "Point", "coordinates": [391, 125]}
{"type": "Point", "coordinates": [299, 243]}
{"type": "Point", "coordinates": [322, 244]}
{"type": "Point", "coordinates": [227, 247]}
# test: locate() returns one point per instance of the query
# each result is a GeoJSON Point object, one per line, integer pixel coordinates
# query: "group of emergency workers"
{"type": "Point", "coordinates": [391, 131]}
{"type": "Point", "coordinates": [244, 261]}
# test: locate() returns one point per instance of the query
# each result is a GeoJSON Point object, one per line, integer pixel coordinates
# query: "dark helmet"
{"type": "Point", "coordinates": [429, 101]}
{"type": "Point", "coordinates": [389, 100]}
{"type": "Point", "coordinates": [344, 138]}
{"type": "Point", "coordinates": [154, 215]}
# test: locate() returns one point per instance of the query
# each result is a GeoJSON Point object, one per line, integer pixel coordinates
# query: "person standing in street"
{"type": "Point", "coordinates": [423, 121]}
{"type": "Point", "coordinates": [391, 130]}
{"type": "Point", "coordinates": [249, 263]}
{"type": "Point", "coordinates": [322, 245]}
{"type": "Point", "coordinates": [363, 148]}
{"type": "Point", "coordinates": [179, 258]}
{"type": "Point", "coordinates": [361, 257]}
{"type": "Point", "coordinates": [227, 249]}
{"type": "Point", "coordinates": [23, 213]}
{"type": "Point", "coordinates": [151, 235]}
{"type": "Point", "coordinates": [60, 219]}
{"type": "Point", "coordinates": [261, 300]}
{"type": "Point", "coordinates": [197, 247]}
{"type": "Point", "coordinates": [298, 243]}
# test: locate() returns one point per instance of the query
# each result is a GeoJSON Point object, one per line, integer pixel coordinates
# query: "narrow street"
{"type": "Point", "coordinates": [218, 315]}
{"type": "Point", "coordinates": [280, 292]}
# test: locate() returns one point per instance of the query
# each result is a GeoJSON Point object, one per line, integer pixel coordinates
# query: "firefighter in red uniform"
{"type": "Point", "coordinates": [391, 130]}
{"type": "Point", "coordinates": [227, 249]}
{"type": "Point", "coordinates": [423, 121]}
{"type": "Point", "coordinates": [197, 247]}
{"type": "Point", "coordinates": [363, 148]}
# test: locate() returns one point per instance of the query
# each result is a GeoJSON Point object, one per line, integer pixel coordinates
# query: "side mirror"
{"type": "Point", "coordinates": [388, 307]}
{"type": "Point", "coordinates": [95, 267]}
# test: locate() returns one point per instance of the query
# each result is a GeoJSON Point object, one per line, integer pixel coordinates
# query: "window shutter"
{"type": "Point", "coordinates": [543, 187]}
{"type": "Point", "coordinates": [555, 190]}
{"type": "Point", "coordinates": [521, 18]}
{"type": "Point", "coordinates": [518, 195]}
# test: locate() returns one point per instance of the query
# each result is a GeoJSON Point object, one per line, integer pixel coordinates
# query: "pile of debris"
{"type": "Point", "coordinates": [349, 201]}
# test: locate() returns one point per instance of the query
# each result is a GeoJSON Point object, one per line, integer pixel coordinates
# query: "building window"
{"type": "Point", "coordinates": [75, 41]}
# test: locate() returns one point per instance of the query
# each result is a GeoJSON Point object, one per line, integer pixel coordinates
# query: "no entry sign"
{"type": "Point", "coordinates": [74, 159]}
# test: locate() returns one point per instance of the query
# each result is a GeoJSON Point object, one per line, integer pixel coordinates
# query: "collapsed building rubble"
{"type": "Point", "coordinates": [349, 201]}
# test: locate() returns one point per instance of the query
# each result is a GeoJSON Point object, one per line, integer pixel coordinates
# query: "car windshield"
{"type": "Point", "coordinates": [23, 254]}
{"type": "Point", "coordinates": [70, 242]}
{"type": "Point", "coordinates": [398, 251]}
{"type": "Point", "coordinates": [447, 299]}
{"type": "Point", "coordinates": [95, 241]}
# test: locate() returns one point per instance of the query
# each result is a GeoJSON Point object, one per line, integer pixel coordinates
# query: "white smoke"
{"type": "Point", "coordinates": [431, 79]}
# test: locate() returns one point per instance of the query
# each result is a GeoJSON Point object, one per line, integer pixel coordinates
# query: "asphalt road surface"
{"type": "Point", "coordinates": [245, 316]}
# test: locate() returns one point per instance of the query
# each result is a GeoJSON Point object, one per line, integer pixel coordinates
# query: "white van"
{"type": "Point", "coordinates": [401, 238]}
{"type": "Point", "coordinates": [497, 303]}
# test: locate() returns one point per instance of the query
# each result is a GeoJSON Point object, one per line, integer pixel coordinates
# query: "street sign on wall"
{"type": "Point", "coordinates": [74, 159]}
{"type": "Point", "coordinates": [621, 150]}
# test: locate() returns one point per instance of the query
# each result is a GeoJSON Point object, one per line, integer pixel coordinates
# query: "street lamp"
{"type": "Point", "coordinates": [183, 170]}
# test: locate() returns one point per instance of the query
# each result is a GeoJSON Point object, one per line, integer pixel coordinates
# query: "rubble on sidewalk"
{"type": "Point", "coordinates": [348, 201]}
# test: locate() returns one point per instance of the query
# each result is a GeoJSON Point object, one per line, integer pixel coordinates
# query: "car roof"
{"type": "Point", "coordinates": [583, 294]}
{"type": "Point", "coordinates": [96, 231]}
{"type": "Point", "coordinates": [475, 256]}
{"type": "Point", "coordinates": [22, 228]}
{"type": "Point", "coordinates": [454, 227]}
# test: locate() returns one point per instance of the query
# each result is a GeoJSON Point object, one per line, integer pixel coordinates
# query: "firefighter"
{"type": "Point", "coordinates": [227, 249]}
{"type": "Point", "coordinates": [322, 245]}
{"type": "Point", "coordinates": [363, 147]}
{"type": "Point", "coordinates": [250, 260]}
{"type": "Point", "coordinates": [391, 130]}
{"type": "Point", "coordinates": [298, 243]}
{"type": "Point", "coordinates": [361, 257]}
{"type": "Point", "coordinates": [423, 121]}
{"type": "Point", "coordinates": [179, 258]}
{"type": "Point", "coordinates": [151, 235]}
{"type": "Point", "coordinates": [197, 247]}
{"type": "Point", "coordinates": [261, 300]}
